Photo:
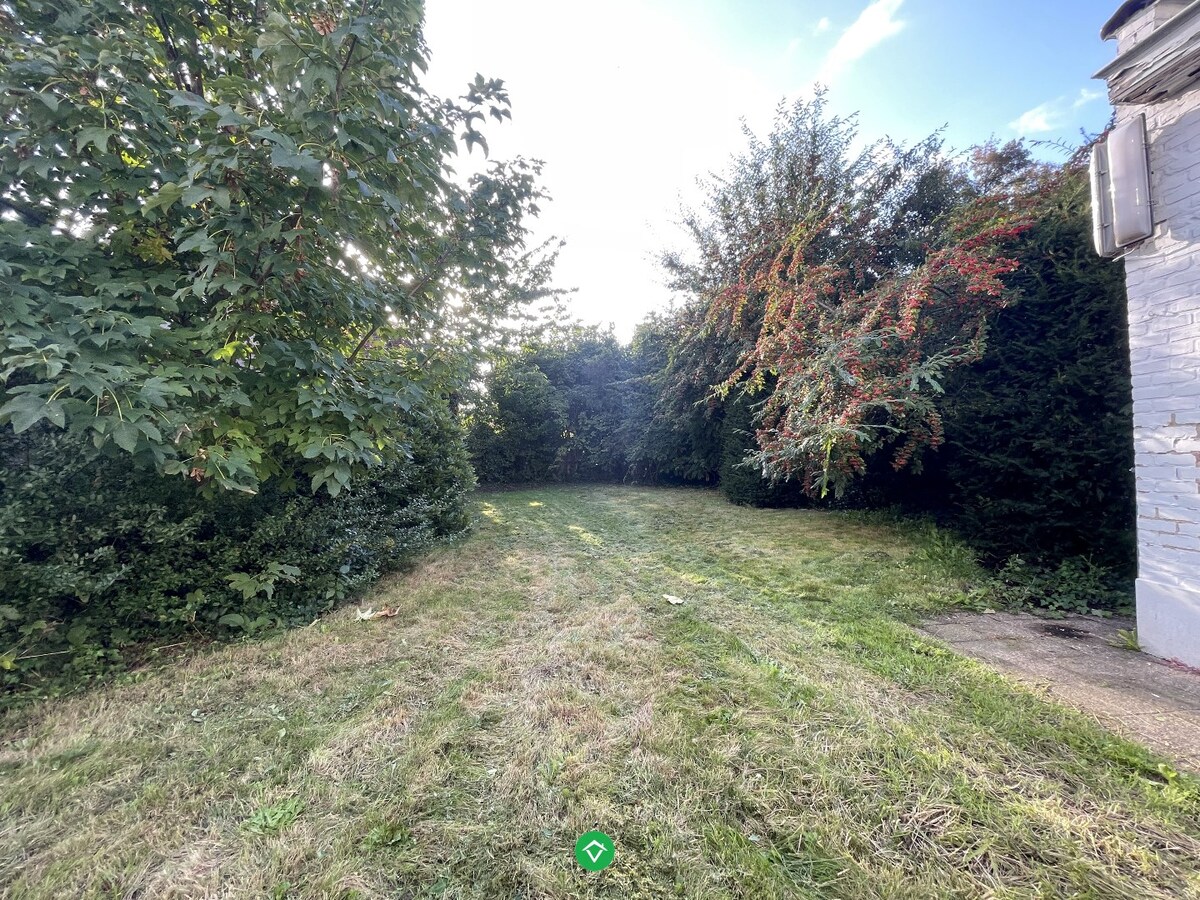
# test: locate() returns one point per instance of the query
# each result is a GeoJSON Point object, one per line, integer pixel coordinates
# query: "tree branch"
{"type": "Point", "coordinates": [435, 272]}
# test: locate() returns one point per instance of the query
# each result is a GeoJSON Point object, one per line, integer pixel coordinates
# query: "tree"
{"type": "Point", "coordinates": [849, 283]}
{"type": "Point", "coordinates": [677, 432]}
{"type": "Point", "coordinates": [233, 246]}
{"type": "Point", "coordinates": [518, 427]}
{"type": "Point", "coordinates": [553, 409]}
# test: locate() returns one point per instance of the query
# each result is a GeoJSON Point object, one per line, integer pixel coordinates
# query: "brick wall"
{"type": "Point", "coordinates": [1163, 279]}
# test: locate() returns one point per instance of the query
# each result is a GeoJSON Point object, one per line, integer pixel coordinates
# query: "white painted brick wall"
{"type": "Point", "coordinates": [1163, 282]}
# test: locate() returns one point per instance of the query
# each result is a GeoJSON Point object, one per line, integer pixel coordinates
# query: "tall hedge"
{"type": "Point", "coordinates": [1039, 450]}
{"type": "Point", "coordinates": [554, 410]}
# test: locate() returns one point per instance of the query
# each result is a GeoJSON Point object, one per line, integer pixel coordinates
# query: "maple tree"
{"type": "Point", "coordinates": [234, 246]}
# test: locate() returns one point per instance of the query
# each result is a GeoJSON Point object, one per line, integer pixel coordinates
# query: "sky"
{"type": "Point", "coordinates": [629, 102]}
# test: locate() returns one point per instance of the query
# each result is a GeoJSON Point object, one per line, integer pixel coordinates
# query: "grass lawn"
{"type": "Point", "coordinates": [782, 733]}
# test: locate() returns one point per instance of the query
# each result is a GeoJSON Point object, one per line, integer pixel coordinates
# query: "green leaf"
{"type": "Point", "coordinates": [23, 411]}
{"type": "Point", "coordinates": [56, 414]}
{"type": "Point", "coordinates": [49, 99]}
{"type": "Point", "coordinates": [166, 196]}
{"type": "Point", "coordinates": [298, 161]}
{"type": "Point", "coordinates": [188, 99]}
{"type": "Point", "coordinates": [126, 436]}
{"type": "Point", "coordinates": [247, 584]}
{"type": "Point", "coordinates": [96, 136]}
{"type": "Point", "coordinates": [213, 303]}
{"type": "Point", "coordinates": [229, 116]}
{"type": "Point", "coordinates": [269, 39]}
{"type": "Point", "coordinates": [194, 193]}
{"type": "Point", "coordinates": [288, 573]}
{"type": "Point", "coordinates": [197, 240]}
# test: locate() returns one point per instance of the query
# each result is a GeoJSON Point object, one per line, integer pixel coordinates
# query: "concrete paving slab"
{"type": "Point", "coordinates": [1080, 662]}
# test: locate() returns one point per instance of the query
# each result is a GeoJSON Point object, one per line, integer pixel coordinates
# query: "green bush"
{"type": "Point", "coordinates": [554, 411]}
{"type": "Point", "coordinates": [100, 560]}
{"type": "Point", "coordinates": [1039, 433]}
{"type": "Point", "coordinates": [517, 430]}
{"type": "Point", "coordinates": [744, 484]}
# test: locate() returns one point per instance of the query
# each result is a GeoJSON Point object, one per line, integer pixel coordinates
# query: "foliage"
{"type": "Point", "coordinates": [235, 252]}
{"type": "Point", "coordinates": [1126, 639]}
{"type": "Point", "coordinates": [741, 477]}
{"type": "Point", "coordinates": [895, 300]}
{"type": "Point", "coordinates": [675, 433]}
{"type": "Point", "coordinates": [97, 560]}
{"type": "Point", "coordinates": [233, 238]}
{"type": "Point", "coordinates": [1038, 453]}
{"type": "Point", "coordinates": [1075, 585]}
{"type": "Point", "coordinates": [554, 410]}
{"type": "Point", "coordinates": [273, 819]}
{"type": "Point", "coordinates": [854, 280]}
{"type": "Point", "coordinates": [590, 369]}
{"type": "Point", "coordinates": [386, 836]}
{"type": "Point", "coordinates": [517, 430]}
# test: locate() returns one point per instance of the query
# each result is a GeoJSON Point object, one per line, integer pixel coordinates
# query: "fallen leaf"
{"type": "Point", "coordinates": [364, 615]}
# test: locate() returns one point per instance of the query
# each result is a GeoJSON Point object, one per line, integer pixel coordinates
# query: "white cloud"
{"type": "Point", "coordinates": [1043, 117]}
{"type": "Point", "coordinates": [795, 44]}
{"type": "Point", "coordinates": [1053, 114]}
{"type": "Point", "coordinates": [874, 25]}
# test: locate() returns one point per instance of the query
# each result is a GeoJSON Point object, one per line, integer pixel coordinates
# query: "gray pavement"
{"type": "Point", "coordinates": [1075, 660]}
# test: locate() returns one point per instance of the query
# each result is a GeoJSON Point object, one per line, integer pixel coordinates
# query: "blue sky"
{"type": "Point", "coordinates": [628, 102]}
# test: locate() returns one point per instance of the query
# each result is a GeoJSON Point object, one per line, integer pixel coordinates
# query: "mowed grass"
{"type": "Point", "coordinates": [782, 733]}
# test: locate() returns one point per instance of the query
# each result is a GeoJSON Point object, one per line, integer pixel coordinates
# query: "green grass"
{"type": "Point", "coordinates": [782, 733]}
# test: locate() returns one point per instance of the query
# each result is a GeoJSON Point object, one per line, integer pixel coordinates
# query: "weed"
{"type": "Point", "coordinates": [273, 819]}
{"type": "Point", "coordinates": [1126, 639]}
{"type": "Point", "coordinates": [389, 834]}
{"type": "Point", "coordinates": [1077, 585]}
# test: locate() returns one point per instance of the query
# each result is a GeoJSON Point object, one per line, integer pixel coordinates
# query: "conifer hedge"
{"type": "Point", "coordinates": [1039, 449]}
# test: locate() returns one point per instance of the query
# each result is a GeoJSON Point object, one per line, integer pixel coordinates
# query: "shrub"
{"type": "Point", "coordinates": [1075, 585]}
{"type": "Point", "coordinates": [517, 429]}
{"type": "Point", "coordinates": [744, 483]}
{"type": "Point", "coordinates": [554, 411]}
{"type": "Point", "coordinates": [99, 558]}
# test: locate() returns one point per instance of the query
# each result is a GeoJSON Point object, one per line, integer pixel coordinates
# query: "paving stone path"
{"type": "Point", "coordinates": [1079, 662]}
